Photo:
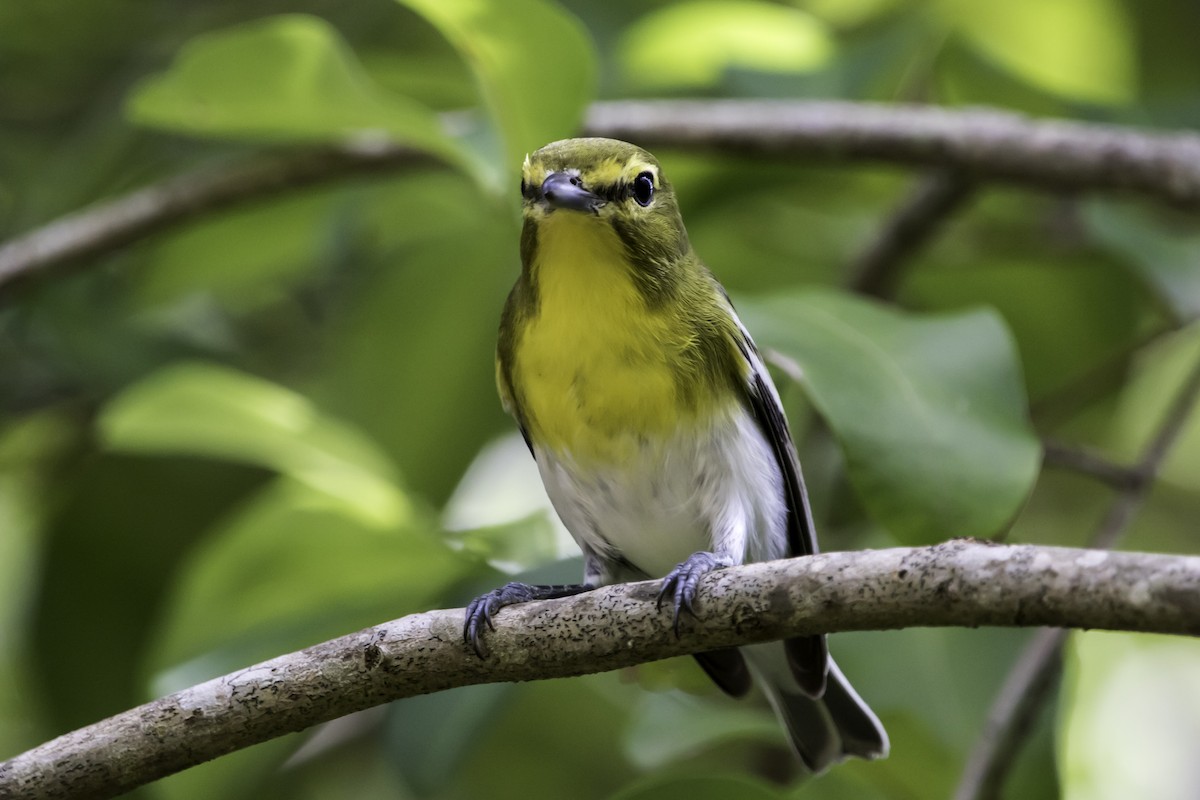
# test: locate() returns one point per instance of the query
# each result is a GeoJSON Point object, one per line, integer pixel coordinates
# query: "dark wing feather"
{"type": "Point", "coordinates": [808, 656]}
{"type": "Point", "coordinates": [509, 402]}
{"type": "Point", "coordinates": [764, 403]}
{"type": "Point", "coordinates": [504, 358]}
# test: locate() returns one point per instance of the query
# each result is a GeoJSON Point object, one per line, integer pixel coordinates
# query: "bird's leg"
{"type": "Point", "coordinates": [681, 582]}
{"type": "Point", "coordinates": [483, 608]}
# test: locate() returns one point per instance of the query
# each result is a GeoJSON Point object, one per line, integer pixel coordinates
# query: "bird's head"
{"type": "Point", "coordinates": [611, 183]}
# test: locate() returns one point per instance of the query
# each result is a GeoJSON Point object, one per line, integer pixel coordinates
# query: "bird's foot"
{"type": "Point", "coordinates": [680, 583]}
{"type": "Point", "coordinates": [484, 608]}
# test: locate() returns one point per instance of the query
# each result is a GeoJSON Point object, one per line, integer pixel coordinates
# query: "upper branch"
{"type": "Point", "coordinates": [976, 144]}
{"type": "Point", "coordinates": [980, 143]}
{"type": "Point", "coordinates": [957, 583]}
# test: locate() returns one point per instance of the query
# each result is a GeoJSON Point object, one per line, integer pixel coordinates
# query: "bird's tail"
{"type": "Point", "coordinates": [824, 731]}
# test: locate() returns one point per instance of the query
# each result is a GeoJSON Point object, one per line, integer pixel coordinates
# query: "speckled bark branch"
{"type": "Point", "coordinates": [975, 144]}
{"type": "Point", "coordinates": [959, 583]}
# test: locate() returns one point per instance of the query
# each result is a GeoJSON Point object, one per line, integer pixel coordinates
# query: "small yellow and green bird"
{"type": "Point", "coordinates": [656, 428]}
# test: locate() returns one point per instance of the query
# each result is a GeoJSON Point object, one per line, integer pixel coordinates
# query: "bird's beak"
{"type": "Point", "coordinates": [563, 190]}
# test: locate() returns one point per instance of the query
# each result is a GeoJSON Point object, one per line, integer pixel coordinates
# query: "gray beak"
{"type": "Point", "coordinates": [563, 190]}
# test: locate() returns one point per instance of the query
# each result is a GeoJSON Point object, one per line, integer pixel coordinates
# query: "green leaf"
{"type": "Point", "coordinates": [851, 13]}
{"type": "Point", "coordinates": [1167, 260]}
{"type": "Point", "coordinates": [20, 565]}
{"type": "Point", "coordinates": [669, 726]}
{"type": "Point", "coordinates": [500, 510]}
{"type": "Point", "coordinates": [429, 738]}
{"type": "Point", "coordinates": [1087, 306]}
{"type": "Point", "coordinates": [1081, 49]}
{"type": "Point", "coordinates": [243, 260]}
{"type": "Point", "coordinates": [109, 557]}
{"type": "Point", "coordinates": [534, 62]}
{"type": "Point", "coordinates": [1151, 387]}
{"type": "Point", "coordinates": [694, 44]}
{"type": "Point", "coordinates": [930, 411]}
{"type": "Point", "coordinates": [250, 772]}
{"type": "Point", "coordinates": [208, 410]}
{"type": "Point", "coordinates": [697, 787]}
{"type": "Point", "coordinates": [293, 569]}
{"type": "Point", "coordinates": [512, 546]}
{"type": "Point", "coordinates": [1130, 717]}
{"type": "Point", "coordinates": [435, 303]}
{"type": "Point", "coordinates": [285, 78]}
{"type": "Point", "coordinates": [555, 739]}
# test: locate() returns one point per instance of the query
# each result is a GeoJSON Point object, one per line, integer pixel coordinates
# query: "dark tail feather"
{"type": "Point", "coordinates": [825, 731]}
{"type": "Point", "coordinates": [808, 656]}
{"type": "Point", "coordinates": [727, 669]}
{"type": "Point", "coordinates": [862, 733]}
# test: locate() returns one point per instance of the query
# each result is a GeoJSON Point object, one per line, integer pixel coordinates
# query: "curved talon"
{"type": "Point", "coordinates": [666, 586]}
{"type": "Point", "coordinates": [681, 583]}
{"type": "Point", "coordinates": [482, 609]}
{"type": "Point", "coordinates": [479, 615]}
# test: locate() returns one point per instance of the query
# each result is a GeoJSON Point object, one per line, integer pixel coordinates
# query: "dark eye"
{"type": "Point", "coordinates": [643, 189]}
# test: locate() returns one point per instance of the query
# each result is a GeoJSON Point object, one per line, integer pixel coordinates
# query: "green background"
{"type": "Point", "coordinates": [278, 424]}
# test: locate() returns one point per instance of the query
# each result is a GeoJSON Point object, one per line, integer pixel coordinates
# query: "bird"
{"type": "Point", "coordinates": [657, 431]}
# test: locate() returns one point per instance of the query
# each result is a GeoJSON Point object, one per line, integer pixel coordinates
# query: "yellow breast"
{"type": "Point", "coordinates": [597, 369]}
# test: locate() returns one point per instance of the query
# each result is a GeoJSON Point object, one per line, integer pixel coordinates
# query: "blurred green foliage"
{"type": "Point", "coordinates": [249, 433]}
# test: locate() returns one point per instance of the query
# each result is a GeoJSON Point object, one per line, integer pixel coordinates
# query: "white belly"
{"type": "Point", "coordinates": [718, 490]}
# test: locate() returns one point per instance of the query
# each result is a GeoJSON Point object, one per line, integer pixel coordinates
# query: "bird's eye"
{"type": "Point", "coordinates": [642, 189]}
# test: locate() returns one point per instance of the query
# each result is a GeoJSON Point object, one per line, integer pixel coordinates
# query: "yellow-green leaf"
{"type": "Point", "coordinates": [698, 787]}
{"type": "Point", "coordinates": [1081, 49]}
{"type": "Point", "coordinates": [292, 569]}
{"type": "Point", "coordinates": [1130, 717]}
{"type": "Point", "coordinates": [285, 78]}
{"type": "Point", "coordinates": [534, 62]}
{"type": "Point", "coordinates": [694, 44]}
{"type": "Point", "coordinates": [209, 410]}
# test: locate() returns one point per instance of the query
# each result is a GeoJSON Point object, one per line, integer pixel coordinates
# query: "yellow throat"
{"type": "Point", "coordinates": [597, 367]}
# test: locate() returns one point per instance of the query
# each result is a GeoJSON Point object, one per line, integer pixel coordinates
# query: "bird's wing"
{"type": "Point", "coordinates": [504, 360]}
{"type": "Point", "coordinates": [762, 398]}
{"type": "Point", "coordinates": [808, 656]}
{"type": "Point", "coordinates": [508, 400]}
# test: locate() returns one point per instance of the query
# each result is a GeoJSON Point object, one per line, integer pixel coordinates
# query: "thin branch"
{"type": "Point", "coordinates": [877, 270]}
{"type": "Point", "coordinates": [1087, 462]}
{"type": "Point", "coordinates": [1035, 673]}
{"type": "Point", "coordinates": [980, 144]}
{"type": "Point", "coordinates": [1174, 420]}
{"type": "Point", "coordinates": [962, 582]}
{"type": "Point", "coordinates": [112, 224]}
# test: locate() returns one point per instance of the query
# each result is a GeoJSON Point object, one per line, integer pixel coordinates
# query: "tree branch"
{"type": "Point", "coordinates": [1087, 462]}
{"type": "Point", "coordinates": [975, 143]}
{"type": "Point", "coordinates": [1032, 679]}
{"type": "Point", "coordinates": [1036, 671]}
{"type": "Point", "coordinates": [961, 582]}
{"type": "Point", "coordinates": [981, 143]}
{"type": "Point", "coordinates": [877, 270]}
{"type": "Point", "coordinates": [112, 224]}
